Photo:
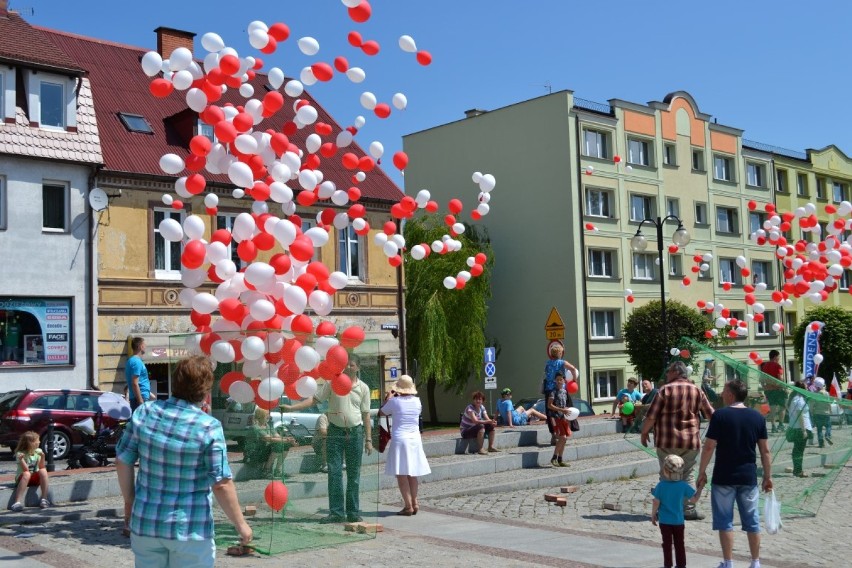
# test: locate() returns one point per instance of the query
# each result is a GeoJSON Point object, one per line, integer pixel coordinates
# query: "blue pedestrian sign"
{"type": "Point", "coordinates": [393, 372]}
{"type": "Point", "coordinates": [490, 369]}
{"type": "Point", "coordinates": [489, 355]}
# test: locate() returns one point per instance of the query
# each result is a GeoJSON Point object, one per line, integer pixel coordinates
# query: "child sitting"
{"type": "Point", "coordinates": [626, 418]}
{"type": "Point", "coordinates": [669, 497]}
{"type": "Point", "coordinates": [31, 470]}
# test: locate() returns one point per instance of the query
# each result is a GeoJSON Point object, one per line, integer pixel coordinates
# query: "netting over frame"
{"type": "Point", "coordinates": [287, 449]}
{"type": "Point", "coordinates": [832, 417]}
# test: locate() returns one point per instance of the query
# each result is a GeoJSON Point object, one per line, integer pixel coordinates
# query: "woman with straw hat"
{"type": "Point", "coordinates": [404, 454]}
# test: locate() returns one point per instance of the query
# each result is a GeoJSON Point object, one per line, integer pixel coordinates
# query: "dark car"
{"type": "Point", "coordinates": [584, 407]}
{"type": "Point", "coordinates": [25, 410]}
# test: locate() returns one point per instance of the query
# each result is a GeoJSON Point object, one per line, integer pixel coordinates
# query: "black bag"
{"type": "Point", "coordinates": [384, 435]}
{"type": "Point", "coordinates": [575, 425]}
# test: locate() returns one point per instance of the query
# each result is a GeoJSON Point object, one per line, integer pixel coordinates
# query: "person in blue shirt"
{"type": "Point", "coordinates": [667, 511]}
{"type": "Point", "coordinates": [515, 416]}
{"type": "Point", "coordinates": [553, 366]}
{"type": "Point", "coordinates": [138, 384]}
{"type": "Point", "coordinates": [633, 395]}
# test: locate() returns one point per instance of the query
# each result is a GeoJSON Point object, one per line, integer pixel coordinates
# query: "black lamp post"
{"type": "Point", "coordinates": [639, 243]}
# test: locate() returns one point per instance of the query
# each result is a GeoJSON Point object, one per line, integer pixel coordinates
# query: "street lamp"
{"type": "Point", "coordinates": [639, 243]}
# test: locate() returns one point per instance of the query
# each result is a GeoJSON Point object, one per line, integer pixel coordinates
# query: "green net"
{"type": "Point", "coordinates": [290, 457]}
{"type": "Point", "coordinates": [805, 460]}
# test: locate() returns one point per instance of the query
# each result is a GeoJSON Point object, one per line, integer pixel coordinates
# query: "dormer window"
{"type": "Point", "coordinates": [52, 100]}
{"type": "Point", "coordinates": [205, 129]}
{"type": "Point", "coordinates": [135, 123]}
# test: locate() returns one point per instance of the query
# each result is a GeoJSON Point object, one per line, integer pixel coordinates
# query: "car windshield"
{"type": "Point", "coordinates": [9, 400]}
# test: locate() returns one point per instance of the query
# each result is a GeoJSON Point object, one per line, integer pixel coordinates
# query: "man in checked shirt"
{"type": "Point", "coordinates": [675, 418]}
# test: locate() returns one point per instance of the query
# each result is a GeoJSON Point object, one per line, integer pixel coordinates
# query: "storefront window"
{"type": "Point", "coordinates": [35, 331]}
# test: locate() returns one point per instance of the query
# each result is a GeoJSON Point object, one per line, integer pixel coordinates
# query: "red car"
{"type": "Point", "coordinates": [25, 410]}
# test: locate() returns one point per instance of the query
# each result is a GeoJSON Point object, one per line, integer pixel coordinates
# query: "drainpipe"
{"type": "Point", "coordinates": [584, 268]}
{"type": "Point", "coordinates": [91, 315]}
{"type": "Point", "coordinates": [779, 277]}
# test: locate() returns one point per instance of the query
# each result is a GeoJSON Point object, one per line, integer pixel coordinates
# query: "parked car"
{"type": "Point", "coordinates": [236, 418]}
{"type": "Point", "coordinates": [25, 410]}
{"type": "Point", "coordinates": [584, 407]}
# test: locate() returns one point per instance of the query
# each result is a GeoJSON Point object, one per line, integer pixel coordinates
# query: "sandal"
{"type": "Point", "coordinates": [405, 512]}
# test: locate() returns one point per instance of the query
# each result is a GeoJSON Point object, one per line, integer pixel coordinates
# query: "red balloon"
{"type": "Point", "coordinates": [247, 251]}
{"type": "Point", "coordinates": [362, 12]}
{"type": "Point", "coordinates": [322, 71]}
{"type": "Point", "coordinates": [572, 387]}
{"type": "Point", "coordinates": [424, 58]}
{"type": "Point", "coordinates": [383, 110]}
{"type": "Point", "coordinates": [337, 357]}
{"type": "Point", "coordinates": [349, 161]}
{"type": "Point", "coordinates": [400, 160]}
{"type": "Point", "coordinates": [275, 495]}
{"type": "Point", "coordinates": [229, 64]}
{"type": "Point", "coordinates": [326, 328]}
{"type": "Point", "coordinates": [341, 384]}
{"type": "Point", "coordinates": [279, 31]}
{"type": "Point", "coordinates": [355, 39]}
{"type": "Point", "coordinates": [302, 325]}
{"type": "Point", "coordinates": [476, 270]}
{"type": "Point", "coordinates": [455, 206]}
{"type": "Point", "coordinates": [370, 47]}
{"type": "Point", "coordinates": [341, 64]}
{"type": "Point", "coordinates": [207, 340]}
{"type": "Point", "coordinates": [230, 378]}
{"type": "Point", "coordinates": [265, 404]}
{"type": "Point", "coordinates": [269, 47]}
{"type": "Point", "coordinates": [195, 184]}
{"type": "Point", "coordinates": [291, 392]}
{"type": "Point", "coordinates": [684, 353]}
{"type": "Point", "coordinates": [366, 163]}
{"type": "Point", "coordinates": [273, 101]}
{"type": "Point", "coordinates": [352, 337]}
{"type": "Point", "coordinates": [193, 254]}
{"type": "Point", "coordinates": [480, 258]}
{"type": "Point", "coordinates": [200, 145]}
{"type": "Point", "coordinates": [302, 248]}
{"type": "Point", "coordinates": [431, 206]}
{"type": "Point", "coordinates": [199, 319]}
{"type": "Point", "coordinates": [161, 88]}
{"type": "Point", "coordinates": [225, 131]}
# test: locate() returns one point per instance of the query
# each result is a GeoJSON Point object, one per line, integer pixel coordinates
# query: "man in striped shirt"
{"type": "Point", "coordinates": [675, 418]}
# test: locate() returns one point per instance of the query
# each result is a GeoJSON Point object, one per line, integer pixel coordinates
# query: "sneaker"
{"type": "Point", "coordinates": [801, 474]}
{"type": "Point", "coordinates": [493, 450]}
{"type": "Point", "coordinates": [693, 515]}
{"type": "Point", "coordinates": [554, 462]}
{"type": "Point", "coordinates": [725, 564]}
{"type": "Point", "coordinates": [830, 443]}
{"type": "Point", "coordinates": [354, 518]}
{"type": "Point", "coordinates": [44, 504]}
{"type": "Point", "coordinates": [754, 564]}
{"type": "Point", "coordinates": [563, 464]}
{"type": "Point", "coordinates": [323, 468]}
{"type": "Point", "coordinates": [17, 507]}
{"type": "Point", "coordinates": [331, 519]}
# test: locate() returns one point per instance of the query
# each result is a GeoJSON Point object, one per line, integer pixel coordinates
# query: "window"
{"type": "Point", "coordinates": [598, 203]}
{"type": "Point", "coordinates": [37, 330]}
{"type": "Point", "coordinates": [722, 168]}
{"type": "Point", "coordinates": [603, 324]}
{"type": "Point", "coordinates": [701, 214]}
{"type": "Point", "coordinates": [844, 280]}
{"type": "Point", "coordinates": [642, 207]}
{"type": "Point", "coordinates": [764, 327]}
{"type": "Point", "coordinates": [789, 321]}
{"type": "Point", "coordinates": [781, 181]}
{"type": "Point", "coordinates": [54, 206]}
{"type": "Point", "coordinates": [802, 185]}
{"type": "Point", "coordinates": [349, 253]}
{"type": "Point", "coordinates": [205, 129]}
{"type": "Point", "coordinates": [726, 220]}
{"type": "Point", "coordinates": [669, 155]}
{"type": "Point", "coordinates": [675, 265]}
{"type": "Point", "coordinates": [729, 271]}
{"type": "Point", "coordinates": [820, 193]}
{"type": "Point", "coordinates": [673, 206]}
{"type": "Point", "coordinates": [2, 203]}
{"type": "Point", "coordinates": [52, 104]}
{"type": "Point", "coordinates": [755, 175]}
{"type": "Point", "coordinates": [135, 123]}
{"type": "Point", "coordinates": [761, 271]}
{"type": "Point", "coordinates": [606, 384]}
{"type": "Point", "coordinates": [638, 152]}
{"type": "Point", "coordinates": [644, 266]}
{"type": "Point", "coordinates": [600, 263]}
{"type": "Point", "coordinates": [166, 254]}
{"type": "Point", "coordinates": [697, 160]}
{"type": "Point", "coordinates": [595, 143]}
{"type": "Point", "coordinates": [755, 221]}
{"type": "Point", "coordinates": [838, 192]}
{"type": "Point", "coordinates": [226, 221]}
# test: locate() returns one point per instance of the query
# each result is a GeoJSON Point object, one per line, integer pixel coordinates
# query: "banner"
{"type": "Point", "coordinates": [812, 333]}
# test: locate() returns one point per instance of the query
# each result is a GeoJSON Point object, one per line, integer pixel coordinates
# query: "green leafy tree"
{"type": "Point", "coordinates": [643, 333]}
{"type": "Point", "coordinates": [445, 329]}
{"type": "Point", "coordinates": [835, 342]}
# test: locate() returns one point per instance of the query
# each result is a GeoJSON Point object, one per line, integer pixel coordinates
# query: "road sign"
{"type": "Point", "coordinates": [490, 383]}
{"type": "Point", "coordinates": [554, 328]}
{"type": "Point", "coordinates": [490, 355]}
{"type": "Point", "coordinates": [390, 326]}
{"type": "Point", "coordinates": [393, 372]}
{"type": "Point", "coordinates": [490, 369]}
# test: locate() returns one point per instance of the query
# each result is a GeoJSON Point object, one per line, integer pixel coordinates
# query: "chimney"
{"type": "Point", "coordinates": [4, 8]}
{"type": "Point", "coordinates": [169, 39]}
{"type": "Point", "coordinates": [474, 112]}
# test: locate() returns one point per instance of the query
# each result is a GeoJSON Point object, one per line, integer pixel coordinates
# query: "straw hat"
{"type": "Point", "coordinates": [405, 385]}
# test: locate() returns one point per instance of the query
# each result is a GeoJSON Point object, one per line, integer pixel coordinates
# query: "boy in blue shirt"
{"type": "Point", "coordinates": [515, 415]}
{"type": "Point", "coordinates": [669, 496]}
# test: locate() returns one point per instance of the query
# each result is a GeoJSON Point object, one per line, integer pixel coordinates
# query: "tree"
{"type": "Point", "coordinates": [445, 329]}
{"type": "Point", "coordinates": [643, 333]}
{"type": "Point", "coordinates": [835, 342]}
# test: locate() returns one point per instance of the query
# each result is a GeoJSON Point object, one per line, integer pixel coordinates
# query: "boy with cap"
{"type": "Point", "coordinates": [515, 416]}
{"type": "Point", "coordinates": [667, 511]}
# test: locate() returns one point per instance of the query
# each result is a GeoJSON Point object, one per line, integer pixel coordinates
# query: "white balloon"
{"type": "Point", "coordinates": [196, 99]}
{"type": "Point", "coordinates": [262, 310]}
{"type": "Point", "coordinates": [225, 268]}
{"type": "Point", "coordinates": [294, 88]}
{"type": "Point", "coordinates": [318, 236]}
{"type": "Point", "coordinates": [400, 101]}
{"type": "Point", "coordinates": [253, 348]}
{"type": "Point", "coordinates": [350, 3]}
{"type": "Point", "coordinates": [320, 302]}
{"type": "Point", "coordinates": [356, 75]}
{"type": "Point", "coordinates": [741, 261]}
{"type": "Point", "coordinates": [192, 278]}
{"type": "Point", "coordinates": [240, 391]}
{"type": "Point", "coordinates": [193, 226]}
{"type": "Point", "coordinates": [152, 63]}
{"type": "Point", "coordinates": [376, 149]}
{"type": "Point", "coordinates": [344, 139]}
{"type": "Point", "coordinates": [338, 280]}
{"type": "Point", "coordinates": [418, 252]}
{"type": "Point", "coordinates": [390, 249]}
{"type": "Point", "coordinates": [306, 387]}
{"type": "Point", "coordinates": [313, 143]}
{"type": "Point", "coordinates": [182, 80]}
{"type": "Point", "coordinates": [240, 174]}
{"type": "Point", "coordinates": [368, 100]}
{"type": "Point", "coordinates": [295, 299]}
{"type": "Point", "coordinates": [243, 227]}
{"type": "Point", "coordinates": [307, 114]}
{"type": "Point", "coordinates": [246, 90]}
{"type": "Point", "coordinates": [818, 358]}
{"type": "Point", "coordinates": [340, 197]}
{"type": "Point", "coordinates": [307, 179]}
{"type": "Point", "coordinates": [341, 221]}
{"type": "Point", "coordinates": [449, 282]}
{"type": "Point", "coordinates": [406, 43]}
{"type": "Point", "coordinates": [308, 45]}
{"type": "Point", "coordinates": [212, 42]}
{"type": "Point", "coordinates": [172, 164]}
{"type": "Point", "coordinates": [323, 344]}
{"type": "Point", "coordinates": [487, 183]}
{"type": "Point", "coordinates": [380, 239]}
{"type": "Point", "coordinates": [185, 297]}
{"type": "Point", "coordinates": [205, 303]}
{"type": "Point", "coordinates": [167, 199]}
{"type": "Point", "coordinates": [270, 388]}
{"type": "Point", "coordinates": [306, 75]}
{"type": "Point", "coordinates": [306, 358]}
{"type": "Point", "coordinates": [458, 228]}
{"type": "Point", "coordinates": [171, 230]}
{"type": "Point", "coordinates": [258, 39]}
{"type": "Point", "coordinates": [284, 232]}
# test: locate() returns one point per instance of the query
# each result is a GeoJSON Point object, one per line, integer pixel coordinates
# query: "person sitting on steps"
{"type": "Point", "coordinates": [475, 423]}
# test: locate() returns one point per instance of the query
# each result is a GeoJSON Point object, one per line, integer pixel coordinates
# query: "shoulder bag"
{"type": "Point", "coordinates": [384, 435]}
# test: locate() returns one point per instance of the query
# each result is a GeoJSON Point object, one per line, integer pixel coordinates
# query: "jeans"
{"type": "Point", "coordinates": [348, 442]}
{"type": "Point", "coordinates": [153, 552]}
{"type": "Point", "coordinates": [673, 536]}
{"type": "Point", "coordinates": [822, 421]}
{"type": "Point", "coordinates": [722, 499]}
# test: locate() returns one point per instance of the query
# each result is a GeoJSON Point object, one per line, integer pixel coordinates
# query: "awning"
{"type": "Point", "coordinates": [161, 347]}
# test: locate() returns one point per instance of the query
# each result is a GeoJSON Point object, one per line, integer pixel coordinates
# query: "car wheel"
{"type": "Point", "coordinates": [61, 445]}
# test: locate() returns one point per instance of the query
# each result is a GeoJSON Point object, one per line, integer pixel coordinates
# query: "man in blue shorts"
{"type": "Point", "coordinates": [733, 433]}
{"type": "Point", "coordinates": [513, 416]}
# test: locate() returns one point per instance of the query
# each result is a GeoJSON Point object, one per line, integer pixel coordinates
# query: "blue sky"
{"type": "Point", "coordinates": [776, 69]}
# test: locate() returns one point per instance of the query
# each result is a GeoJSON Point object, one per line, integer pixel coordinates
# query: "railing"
{"type": "Point", "coordinates": [592, 105]}
{"type": "Point", "coordinates": [774, 149]}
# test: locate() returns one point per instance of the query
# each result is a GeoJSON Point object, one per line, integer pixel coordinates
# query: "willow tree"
{"type": "Point", "coordinates": [445, 328]}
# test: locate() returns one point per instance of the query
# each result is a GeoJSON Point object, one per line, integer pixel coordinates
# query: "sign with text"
{"type": "Point", "coordinates": [490, 383]}
{"type": "Point", "coordinates": [554, 328]}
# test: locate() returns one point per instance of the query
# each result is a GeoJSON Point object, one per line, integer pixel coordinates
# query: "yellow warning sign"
{"type": "Point", "coordinates": [554, 328]}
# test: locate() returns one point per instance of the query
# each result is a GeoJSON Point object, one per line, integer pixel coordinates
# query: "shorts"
{"type": "Point", "coordinates": [519, 418]}
{"type": "Point", "coordinates": [35, 479]}
{"type": "Point", "coordinates": [775, 397]}
{"type": "Point", "coordinates": [473, 431]}
{"type": "Point", "coordinates": [561, 427]}
{"type": "Point", "coordinates": [722, 499]}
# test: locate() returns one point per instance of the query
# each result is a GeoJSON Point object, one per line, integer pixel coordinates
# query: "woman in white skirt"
{"type": "Point", "coordinates": [404, 455]}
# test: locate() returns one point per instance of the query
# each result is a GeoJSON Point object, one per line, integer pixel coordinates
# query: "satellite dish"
{"type": "Point", "coordinates": [98, 199]}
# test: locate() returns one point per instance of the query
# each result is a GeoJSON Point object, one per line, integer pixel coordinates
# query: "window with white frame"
{"type": "Point", "coordinates": [844, 280]}
{"type": "Point", "coordinates": [838, 192]}
{"type": "Point", "coordinates": [723, 168]}
{"type": "Point", "coordinates": [349, 253]}
{"type": "Point", "coordinates": [755, 174]}
{"type": "Point", "coordinates": [764, 327]}
{"type": "Point", "coordinates": [820, 190]}
{"type": "Point", "coordinates": [673, 206]}
{"type": "Point", "coordinates": [729, 271]}
{"type": "Point", "coordinates": [603, 324]}
{"type": "Point", "coordinates": [642, 207]}
{"type": "Point", "coordinates": [166, 253]}
{"type": "Point", "coordinates": [802, 185]}
{"type": "Point", "coordinates": [726, 220]}
{"type": "Point", "coordinates": [790, 321]}
{"type": "Point", "coordinates": [669, 154]}
{"type": "Point", "coordinates": [606, 384]}
{"type": "Point", "coordinates": [761, 271]}
{"type": "Point", "coordinates": [54, 206]}
{"type": "Point", "coordinates": [595, 143]}
{"type": "Point", "coordinates": [226, 221]}
{"type": "Point", "coordinates": [205, 129]}
{"type": "Point", "coordinates": [697, 160]}
{"type": "Point", "coordinates": [638, 152]}
{"type": "Point", "coordinates": [781, 181]}
{"type": "Point", "coordinates": [2, 202]}
{"type": "Point", "coordinates": [601, 263]}
{"type": "Point", "coordinates": [701, 214]}
{"type": "Point", "coordinates": [598, 202]}
{"type": "Point", "coordinates": [756, 219]}
{"type": "Point", "coordinates": [644, 266]}
{"type": "Point", "coordinates": [52, 104]}
{"type": "Point", "coordinates": [675, 265]}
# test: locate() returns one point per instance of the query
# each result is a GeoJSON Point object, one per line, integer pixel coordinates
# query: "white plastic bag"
{"type": "Point", "coordinates": [772, 513]}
